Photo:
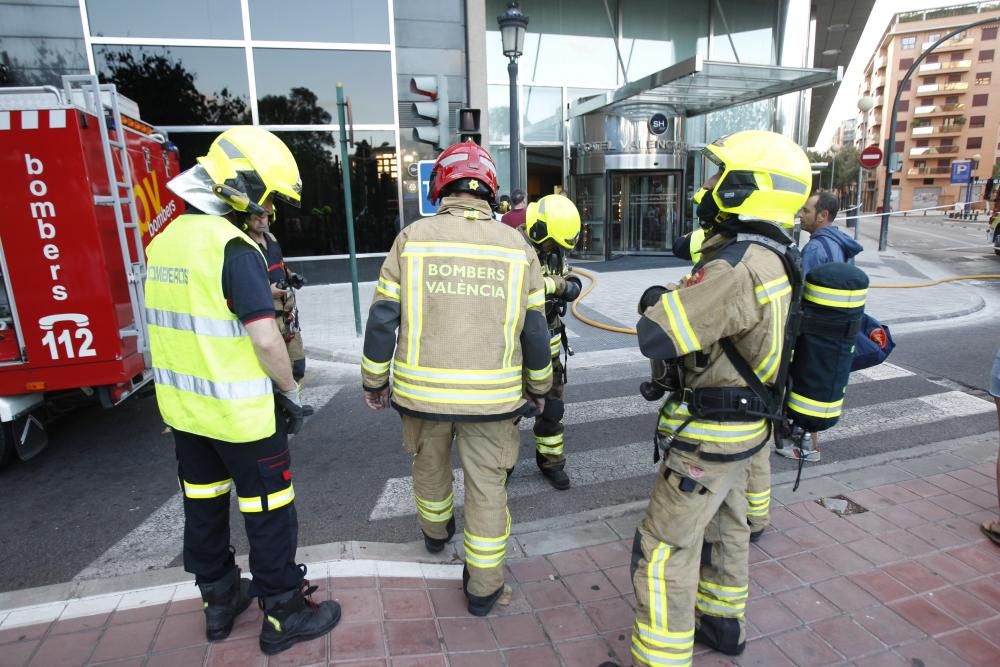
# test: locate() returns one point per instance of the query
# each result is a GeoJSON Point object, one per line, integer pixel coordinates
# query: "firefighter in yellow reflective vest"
{"type": "Point", "coordinates": [218, 360]}
{"type": "Point", "coordinates": [458, 318]}
{"type": "Point", "coordinates": [553, 226]}
{"type": "Point", "coordinates": [690, 552]}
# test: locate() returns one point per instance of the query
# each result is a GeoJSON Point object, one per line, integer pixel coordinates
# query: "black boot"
{"type": "Point", "coordinates": [224, 599]}
{"type": "Point", "coordinates": [479, 606]}
{"type": "Point", "coordinates": [292, 617]}
{"type": "Point", "coordinates": [435, 545]}
{"type": "Point", "coordinates": [720, 634]}
{"type": "Point", "coordinates": [554, 473]}
{"type": "Point", "coordinates": [755, 535]}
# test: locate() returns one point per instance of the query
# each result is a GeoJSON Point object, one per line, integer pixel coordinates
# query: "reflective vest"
{"type": "Point", "coordinates": [208, 379]}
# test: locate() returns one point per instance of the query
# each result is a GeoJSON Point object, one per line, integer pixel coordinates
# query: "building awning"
{"type": "Point", "coordinates": [697, 86]}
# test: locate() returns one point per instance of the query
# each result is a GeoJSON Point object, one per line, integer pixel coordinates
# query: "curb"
{"type": "Point", "coordinates": [940, 316]}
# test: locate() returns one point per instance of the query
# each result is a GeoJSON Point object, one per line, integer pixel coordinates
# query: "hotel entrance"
{"type": "Point", "coordinates": [645, 211]}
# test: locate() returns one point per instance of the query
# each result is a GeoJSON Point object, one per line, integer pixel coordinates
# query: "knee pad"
{"type": "Point", "coordinates": [554, 410]}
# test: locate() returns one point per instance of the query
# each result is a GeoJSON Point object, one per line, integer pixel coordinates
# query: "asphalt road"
{"type": "Point", "coordinates": [101, 499]}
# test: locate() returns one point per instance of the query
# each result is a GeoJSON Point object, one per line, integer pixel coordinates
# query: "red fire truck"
{"type": "Point", "coordinates": [85, 182]}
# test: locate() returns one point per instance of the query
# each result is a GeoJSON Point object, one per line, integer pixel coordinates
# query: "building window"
{"type": "Point", "coordinates": [933, 38]}
{"type": "Point", "coordinates": [990, 33]}
{"type": "Point", "coordinates": [203, 19]}
{"type": "Point", "coordinates": [921, 143]}
{"type": "Point", "coordinates": [928, 181]}
{"type": "Point", "coordinates": [905, 63]}
{"type": "Point", "coordinates": [355, 21]}
{"type": "Point", "coordinates": [974, 142]}
{"type": "Point", "coordinates": [947, 141]}
{"type": "Point", "coordinates": [906, 86]}
{"type": "Point", "coordinates": [901, 126]}
{"type": "Point", "coordinates": [986, 56]}
{"type": "Point", "coordinates": [900, 147]}
{"type": "Point", "coordinates": [954, 77]}
{"type": "Point", "coordinates": [977, 121]}
{"type": "Point", "coordinates": [951, 99]}
{"type": "Point", "coordinates": [931, 59]}
{"type": "Point", "coordinates": [908, 42]}
{"type": "Point", "coordinates": [980, 100]}
{"type": "Point", "coordinates": [956, 56]}
{"type": "Point", "coordinates": [983, 78]}
{"type": "Point", "coordinates": [904, 105]}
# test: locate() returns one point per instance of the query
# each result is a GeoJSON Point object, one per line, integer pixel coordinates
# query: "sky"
{"type": "Point", "coordinates": [845, 103]}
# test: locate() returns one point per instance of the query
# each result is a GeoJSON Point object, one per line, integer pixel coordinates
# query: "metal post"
{"type": "Point", "coordinates": [883, 237]}
{"type": "Point", "coordinates": [345, 171]}
{"type": "Point", "coordinates": [857, 211]}
{"type": "Point", "coordinates": [515, 139]}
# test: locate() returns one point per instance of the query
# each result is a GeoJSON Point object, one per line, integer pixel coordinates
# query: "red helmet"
{"type": "Point", "coordinates": [468, 162]}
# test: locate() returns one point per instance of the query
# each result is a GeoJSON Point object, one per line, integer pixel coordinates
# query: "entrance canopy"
{"type": "Point", "coordinates": [697, 86]}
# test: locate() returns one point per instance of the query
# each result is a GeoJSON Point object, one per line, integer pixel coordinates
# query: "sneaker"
{"type": "Point", "coordinates": [796, 453]}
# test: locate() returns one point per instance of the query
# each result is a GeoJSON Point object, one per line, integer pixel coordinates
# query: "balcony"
{"type": "Point", "coordinates": [952, 66]}
{"type": "Point", "coordinates": [936, 130]}
{"type": "Point", "coordinates": [928, 172]}
{"type": "Point", "coordinates": [880, 63]}
{"type": "Point", "coordinates": [950, 45]}
{"type": "Point", "coordinates": [955, 109]}
{"type": "Point", "coordinates": [925, 151]}
{"type": "Point", "coordinates": [940, 88]}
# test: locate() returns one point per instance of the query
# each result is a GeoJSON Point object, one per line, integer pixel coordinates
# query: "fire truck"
{"type": "Point", "coordinates": [85, 182]}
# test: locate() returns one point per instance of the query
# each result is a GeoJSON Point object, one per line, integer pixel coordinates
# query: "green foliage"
{"type": "Point", "coordinates": [843, 164]}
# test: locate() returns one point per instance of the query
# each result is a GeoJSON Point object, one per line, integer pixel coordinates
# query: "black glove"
{"type": "Point", "coordinates": [572, 288]}
{"type": "Point", "coordinates": [651, 297]}
{"type": "Point", "coordinates": [292, 410]}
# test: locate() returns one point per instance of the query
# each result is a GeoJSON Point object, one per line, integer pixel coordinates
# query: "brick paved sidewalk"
{"type": "Point", "coordinates": [909, 582]}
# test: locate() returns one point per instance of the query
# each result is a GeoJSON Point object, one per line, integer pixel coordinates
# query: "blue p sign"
{"type": "Point", "coordinates": [426, 206]}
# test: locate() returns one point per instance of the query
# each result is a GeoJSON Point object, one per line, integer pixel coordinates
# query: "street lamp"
{"type": "Point", "coordinates": [513, 24]}
{"type": "Point", "coordinates": [972, 181]}
{"type": "Point", "coordinates": [865, 104]}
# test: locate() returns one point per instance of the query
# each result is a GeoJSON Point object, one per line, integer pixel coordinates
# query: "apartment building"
{"type": "Point", "coordinates": [949, 109]}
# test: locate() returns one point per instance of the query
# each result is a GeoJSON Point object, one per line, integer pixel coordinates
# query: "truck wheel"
{"type": "Point", "coordinates": [6, 443]}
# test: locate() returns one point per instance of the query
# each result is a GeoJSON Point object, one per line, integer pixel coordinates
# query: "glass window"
{"type": "Point", "coordinates": [986, 56]}
{"type": "Point", "coordinates": [362, 21]}
{"type": "Point", "coordinates": [202, 19]}
{"type": "Point", "coordinates": [754, 116]}
{"type": "Point", "coordinates": [990, 32]}
{"type": "Point", "coordinates": [900, 147]}
{"type": "Point", "coordinates": [300, 87]}
{"type": "Point", "coordinates": [40, 43]}
{"type": "Point", "coordinates": [905, 63]}
{"type": "Point", "coordinates": [974, 142]}
{"type": "Point", "coordinates": [957, 56]}
{"type": "Point", "coordinates": [908, 42]}
{"type": "Point", "coordinates": [984, 78]}
{"type": "Point", "coordinates": [751, 27]}
{"type": "Point", "coordinates": [933, 38]}
{"type": "Point", "coordinates": [542, 114]}
{"type": "Point", "coordinates": [977, 121]}
{"type": "Point", "coordinates": [980, 100]}
{"type": "Point", "coordinates": [588, 195]}
{"type": "Point", "coordinates": [180, 85]}
{"type": "Point", "coordinates": [901, 126]}
{"type": "Point", "coordinates": [954, 77]}
{"type": "Point", "coordinates": [659, 33]}
{"type": "Point", "coordinates": [499, 114]}
{"type": "Point", "coordinates": [922, 143]}
{"type": "Point", "coordinates": [904, 105]}
{"type": "Point", "coordinates": [568, 41]}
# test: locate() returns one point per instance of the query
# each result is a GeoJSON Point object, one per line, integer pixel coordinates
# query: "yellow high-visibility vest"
{"type": "Point", "coordinates": [208, 379]}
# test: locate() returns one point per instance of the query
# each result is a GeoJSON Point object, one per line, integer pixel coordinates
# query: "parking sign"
{"type": "Point", "coordinates": [426, 206]}
{"type": "Point", "coordinates": [961, 170]}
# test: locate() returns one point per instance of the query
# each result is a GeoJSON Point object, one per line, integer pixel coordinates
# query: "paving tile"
{"type": "Point", "coordinates": [467, 634]}
{"type": "Point", "coordinates": [906, 543]}
{"type": "Point", "coordinates": [980, 558]}
{"type": "Point", "coordinates": [809, 511]}
{"type": "Point", "coordinates": [871, 522]}
{"type": "Point", "coordinates": [364, 639]}
{"type": "Point", "coordinates": [590, 586]}
{"type": "Point", "coordinates": [518, 603]}
{"type": "Point", "coordinates": [886, 659]}
{"type": "Point", "coordinates": [924, 615]}
{"type": "Point", "coordinates": [809, 537]}
{"type": "Point", "coordinates": [63, 650]}
{"type": "Point", "coordinates": [443, 583]}
{"type": "Point", "coordinates": [17, 654]}
{"type": "Point", "coordinates": [543, 594]}
{"type": "Point", "coordinates": [887, 625]}
{"type": "Point", "coordinates": [962, 605]}
{"type": "Point", "coordinates": [621, 646]}
{"type": "Point", "coordinates": [946, 481]}
{"type": "Point", "coordinates": [875, 550]}
{"type": "Point", "coordinates": [986, 589]}
{"type": "Point", "coordinates": [535, 656]}
{"type": "Point", "coordinates": [571, 562]}
{"type": "Point", "coordinates": [123, 616]}
{"type": "Point", "coordinates": [914, 576]}
{"type": "Point", "coordinates": [621, 578]}
{"type": "Point", "coordinates": [337, 583]}
{"type": "Point", "coordinates": [755, 554]}
{"type": "Point", "coordinates": [611, 554]}
{"type": "Point", "coordinates": [966, 528]}
{"type": "Point", "coordinates": [881, 585]}
{"type": "Point", "coordinates": [359, 604]}
{"type": "Point", "coordinates": [402, 582]}
{"type": "Point", "coordinates": [23, 633]}
{"type": "Point", "coordinates": [777, 545]}
{"type": "Point", "coordinates": [770, 616]}
{"type": "Point", "coordinates": [842, 559]}
{"type": "Point", "coordinates": [358, 663]}
{"type": "Point", "coordinates": [971, 477]}
{"type": "Point", "coordinates": [608, 615]}
{"type": "Point", "coordinates": [805, 648]}
{"type": "Point", "coordinates": [896, 493]}
{"type": "Point", "coordinates": [518, 630]}
{"type": "Point", "coordinates": [983, 499]}
{"type": "Point", "coordinates": [972, 647]}
{"type": "Point", "coordinates": [477, 659]}
{"type": "Point", "coordinates": [927, 509]}
{"type": "Point", "coordinates": [123, 641]}
{"type": "Point", "coordinates": [193, 655]}
{"type": "Point", "coordinates": [248, 623]}
{"type": "Point", "coordinates": [773, 577]}
{"type": "Point", "coordinates": [807, 604]}
{"type": "Point", "coordinates": [845, 594]}
{"type": "Point", "coordinates": [411, 637]}
{"type": "Point", "coordinates": [955, 504]}
{"type": "Point", "coordinates": [304, 653]}
{"type": "Point", "coordinates": [449, 603]}
{"type": "Point", "coordinates": [180, 631]}
{"type": "Point", "coordinates": [763, 653]}
{"type": "Point", "coordinates": [402, 603]}
{"type": "Point", "coordinates": [939, 535]}
{"type": "Point", "coordinates": [584, 652]}
{"type": "Point", "coordinates": [901, 517]}
{"type": "Point", "coordinates": [531, 569]}
{"type": "Point", "coordinates": [847, 637]}
{"type": "Point", "coordinates": [869, 499]}
{"type": "Point", "coordinates": [931, 653]}
{"type": "Point", "coordinates": [184, 606]}
{"type": "Point", "coordinates": [436, 660]}
{"type": "Point", "coordinates": [783, 519]}
{"type": "Point", "coordinates": [921, 488]}
{"type": "Point", "coordinates": [80, 623]}
{"type": "Point", "coordinates": [236, 653]}
{"type": "Point", "coordinates": [808, 567]}
{"type": "Point", "coordinates": [566, 623]}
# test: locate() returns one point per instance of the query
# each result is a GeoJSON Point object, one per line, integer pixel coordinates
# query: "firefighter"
{"type": "Point", "coordinates": [552, 226]}
{"type": "Point", "coordinates": [690, 551]}
{"type": "Point", "coordinates": [284, 282]}
{"type": "Point", "coordinates": [470, 359]}
{"type": "Point", "coordinates": [224, 385]}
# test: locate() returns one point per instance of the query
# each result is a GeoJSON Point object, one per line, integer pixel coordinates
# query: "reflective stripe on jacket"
{"type": "Point", "coordinates": [208, 379]}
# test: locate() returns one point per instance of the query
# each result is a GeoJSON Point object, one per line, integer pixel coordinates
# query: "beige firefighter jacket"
{"type": "Point", "coordinates": [468, 299]}
{"type": "Point", "coordinates": [740, 291]}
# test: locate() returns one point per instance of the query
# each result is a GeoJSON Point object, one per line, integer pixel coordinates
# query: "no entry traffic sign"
{"type": "Point", "coordinates": [871, 157]}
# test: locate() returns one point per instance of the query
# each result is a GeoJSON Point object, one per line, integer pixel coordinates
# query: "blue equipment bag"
{"type": "Point", "coordinates": [872, 345]}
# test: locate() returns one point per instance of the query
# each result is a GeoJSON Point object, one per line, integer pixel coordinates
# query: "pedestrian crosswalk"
{"type": "Point", "coordinates": [609, 439]}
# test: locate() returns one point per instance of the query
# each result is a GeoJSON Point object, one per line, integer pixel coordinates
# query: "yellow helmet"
{"type": "Point", "coordinates": [765, 176]}
{"type": "Point", "coordinates": [247, 164]}
{"type": "Point", "coordinates": [553, 217]}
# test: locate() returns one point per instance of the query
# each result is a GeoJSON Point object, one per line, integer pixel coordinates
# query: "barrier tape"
{"type": "Point", "coordinates": [917, 210]}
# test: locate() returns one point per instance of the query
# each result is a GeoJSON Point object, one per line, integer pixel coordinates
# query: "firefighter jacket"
{"type": "Point", "coordinates": [208, 379]}
{"type": "Point", "coordinates": [739, 291]}
{"type": "Point", "coordinates": [561, 287]}
{"type": "Point", "coordinates": [468, 299]}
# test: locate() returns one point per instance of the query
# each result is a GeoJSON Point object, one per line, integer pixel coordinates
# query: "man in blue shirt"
{"type": "Point", "coordinates": [826, 243]}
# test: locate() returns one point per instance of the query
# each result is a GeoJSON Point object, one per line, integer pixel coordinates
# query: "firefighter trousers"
{"type": "Point", "coordinates": [548, 428]}
{"type": "Point", "coordinates": [689, 559]}
{"type": "Point", "coordinates": [207, 470]}
{"type": "Point", "coordinates": [486, 450]}
{"type": "Point", "coordinates": [759, 490]}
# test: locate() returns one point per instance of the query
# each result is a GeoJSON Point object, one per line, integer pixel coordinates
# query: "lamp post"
{"type": "Point", "coordinates": [865, 104]}
{"type": "Point", "coordinates": [513, 24]}
{"type": "Point", "coordinates": [972, 181]}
